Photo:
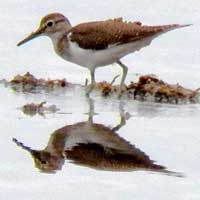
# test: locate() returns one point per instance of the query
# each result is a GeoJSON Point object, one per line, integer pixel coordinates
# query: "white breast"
{"type": "Point", "coordinates": [84, 134]}
{"type": "Point", "coordinates": [97, 58]}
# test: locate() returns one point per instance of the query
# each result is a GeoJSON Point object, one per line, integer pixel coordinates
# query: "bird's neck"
{"type": "Point", "coordinates": [60, 41]}
{"type": "Point", "coordinates": [56, 143]}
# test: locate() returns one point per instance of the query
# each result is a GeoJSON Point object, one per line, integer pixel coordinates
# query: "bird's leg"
{"type": "Point", "coordinates": [124, 116]}
{"type": "Point", "coordinates": [121, 124]}
{"type": "Point", "coordinates": [91, 87]}
{"type": "Point", "coordinates": [91, 110]}
{"type": "Point", "coordinates": [124, 71]}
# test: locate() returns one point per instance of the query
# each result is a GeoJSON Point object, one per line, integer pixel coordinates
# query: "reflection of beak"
{"type": "Point", "coordinates": [33, 152]}
{"type": "Point", "coordinates": [20, 144]}
{"type": "Point", "coordinates": [32, 36]}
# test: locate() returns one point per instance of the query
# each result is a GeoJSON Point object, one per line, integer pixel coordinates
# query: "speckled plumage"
{"type": "Point", "coordinates": [100, 35]}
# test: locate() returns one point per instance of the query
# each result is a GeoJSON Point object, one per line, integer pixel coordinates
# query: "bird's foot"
{"type": "Point", "coordinates": [122, 89]}
{"type": "Point", "coordinates": [87, 94]}
{"type": "Point", "coordinates": [120, 95]}
{"type": "Point", "coordinates": [89, 89]}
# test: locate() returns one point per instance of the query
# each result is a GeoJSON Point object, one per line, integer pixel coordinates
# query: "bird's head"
{"type": "Point", "coordinates": [51, 25]}
{"type": "Point", "coordinates": [45, 161]}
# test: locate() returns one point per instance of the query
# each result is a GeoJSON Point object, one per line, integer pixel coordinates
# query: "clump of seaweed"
{"type": "Point", "coordinates": [151, 88]}
{"type": "Point", "coordinates": [148, 88]}
{"type": "Point", "coordinates": [33, 109]}
{"type": "Point", "coordinates": [107, 88]}
{"type": "Point", "coordinates": [28, 82]}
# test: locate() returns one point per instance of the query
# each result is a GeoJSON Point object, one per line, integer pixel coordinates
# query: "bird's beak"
{"type": "Point", "coordinates": [20, 144]}
{"type": "Point", "coordinates": [33, 152]}
{"type": "Point", "coordinates": [32, 36]}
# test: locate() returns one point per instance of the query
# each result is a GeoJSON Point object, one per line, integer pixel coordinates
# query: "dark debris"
{"type": "Point", "coordinates": [33, 109]}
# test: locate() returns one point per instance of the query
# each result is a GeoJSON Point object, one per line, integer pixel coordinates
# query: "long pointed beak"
{"type": "Point", "coordinates": [33, 152]}
{"type": "Point", "coordinates": [20, 144]}
{"type": "Point", "coordinates": [32, 36]}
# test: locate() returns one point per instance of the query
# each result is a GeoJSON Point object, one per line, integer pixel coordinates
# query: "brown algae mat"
{"type": "Point", "coordinates": [148, 88]}
{"type": "Point", "coordinates": [29, 83]}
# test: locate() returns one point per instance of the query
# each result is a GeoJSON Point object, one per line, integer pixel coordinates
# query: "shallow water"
{"type": "Point", "coordinates": [168, 134]}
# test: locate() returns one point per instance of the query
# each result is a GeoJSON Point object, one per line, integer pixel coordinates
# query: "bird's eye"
{"type": "Point", "coordinates": [50, 24]}
{"type": "Point", "coordinates": [44, 162]}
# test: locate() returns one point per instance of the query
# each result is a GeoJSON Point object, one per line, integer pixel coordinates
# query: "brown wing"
{"type": "Point", "coordinates": [99, 35]}
{"type": "Point", "coordinates": [105, 146]}
{"type": "Point", "coordinates": [100, 157]}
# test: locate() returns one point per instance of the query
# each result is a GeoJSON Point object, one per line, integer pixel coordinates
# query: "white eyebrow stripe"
{"type": "Point", "coordinates": [61, 20]}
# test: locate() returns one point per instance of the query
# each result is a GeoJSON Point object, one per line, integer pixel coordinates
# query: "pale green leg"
{"type": "Point", "coordinates": [124, 73]}
{"type": "Point", "coordinates": [91, 87]}
{"type": "Point", "coordinates": [91, 112]}
{"type": "Point", "coordinates": [123, 117]}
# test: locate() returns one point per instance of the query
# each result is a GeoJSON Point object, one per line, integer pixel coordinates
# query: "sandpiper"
{"type": "Point", "coordinates": [99, 43]}
{"type": "Point", "coordinates": [93, 145]}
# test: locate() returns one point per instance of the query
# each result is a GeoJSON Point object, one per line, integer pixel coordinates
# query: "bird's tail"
{"type": "Point", "coordinates": [166, 28]}
{"type": "Point", "coordinates": [171, 173]}
{"type": "Point", "coordinates": [162, 170]}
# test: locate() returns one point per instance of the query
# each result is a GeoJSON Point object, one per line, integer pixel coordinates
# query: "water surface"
{"type": "Point", "coordinates": [168, 134]}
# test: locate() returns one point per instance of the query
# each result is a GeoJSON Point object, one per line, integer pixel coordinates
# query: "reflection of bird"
{"type": "Point", "coordinates": [92, 145]}
{"type": "Point", "coordinates": [96, 44]}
